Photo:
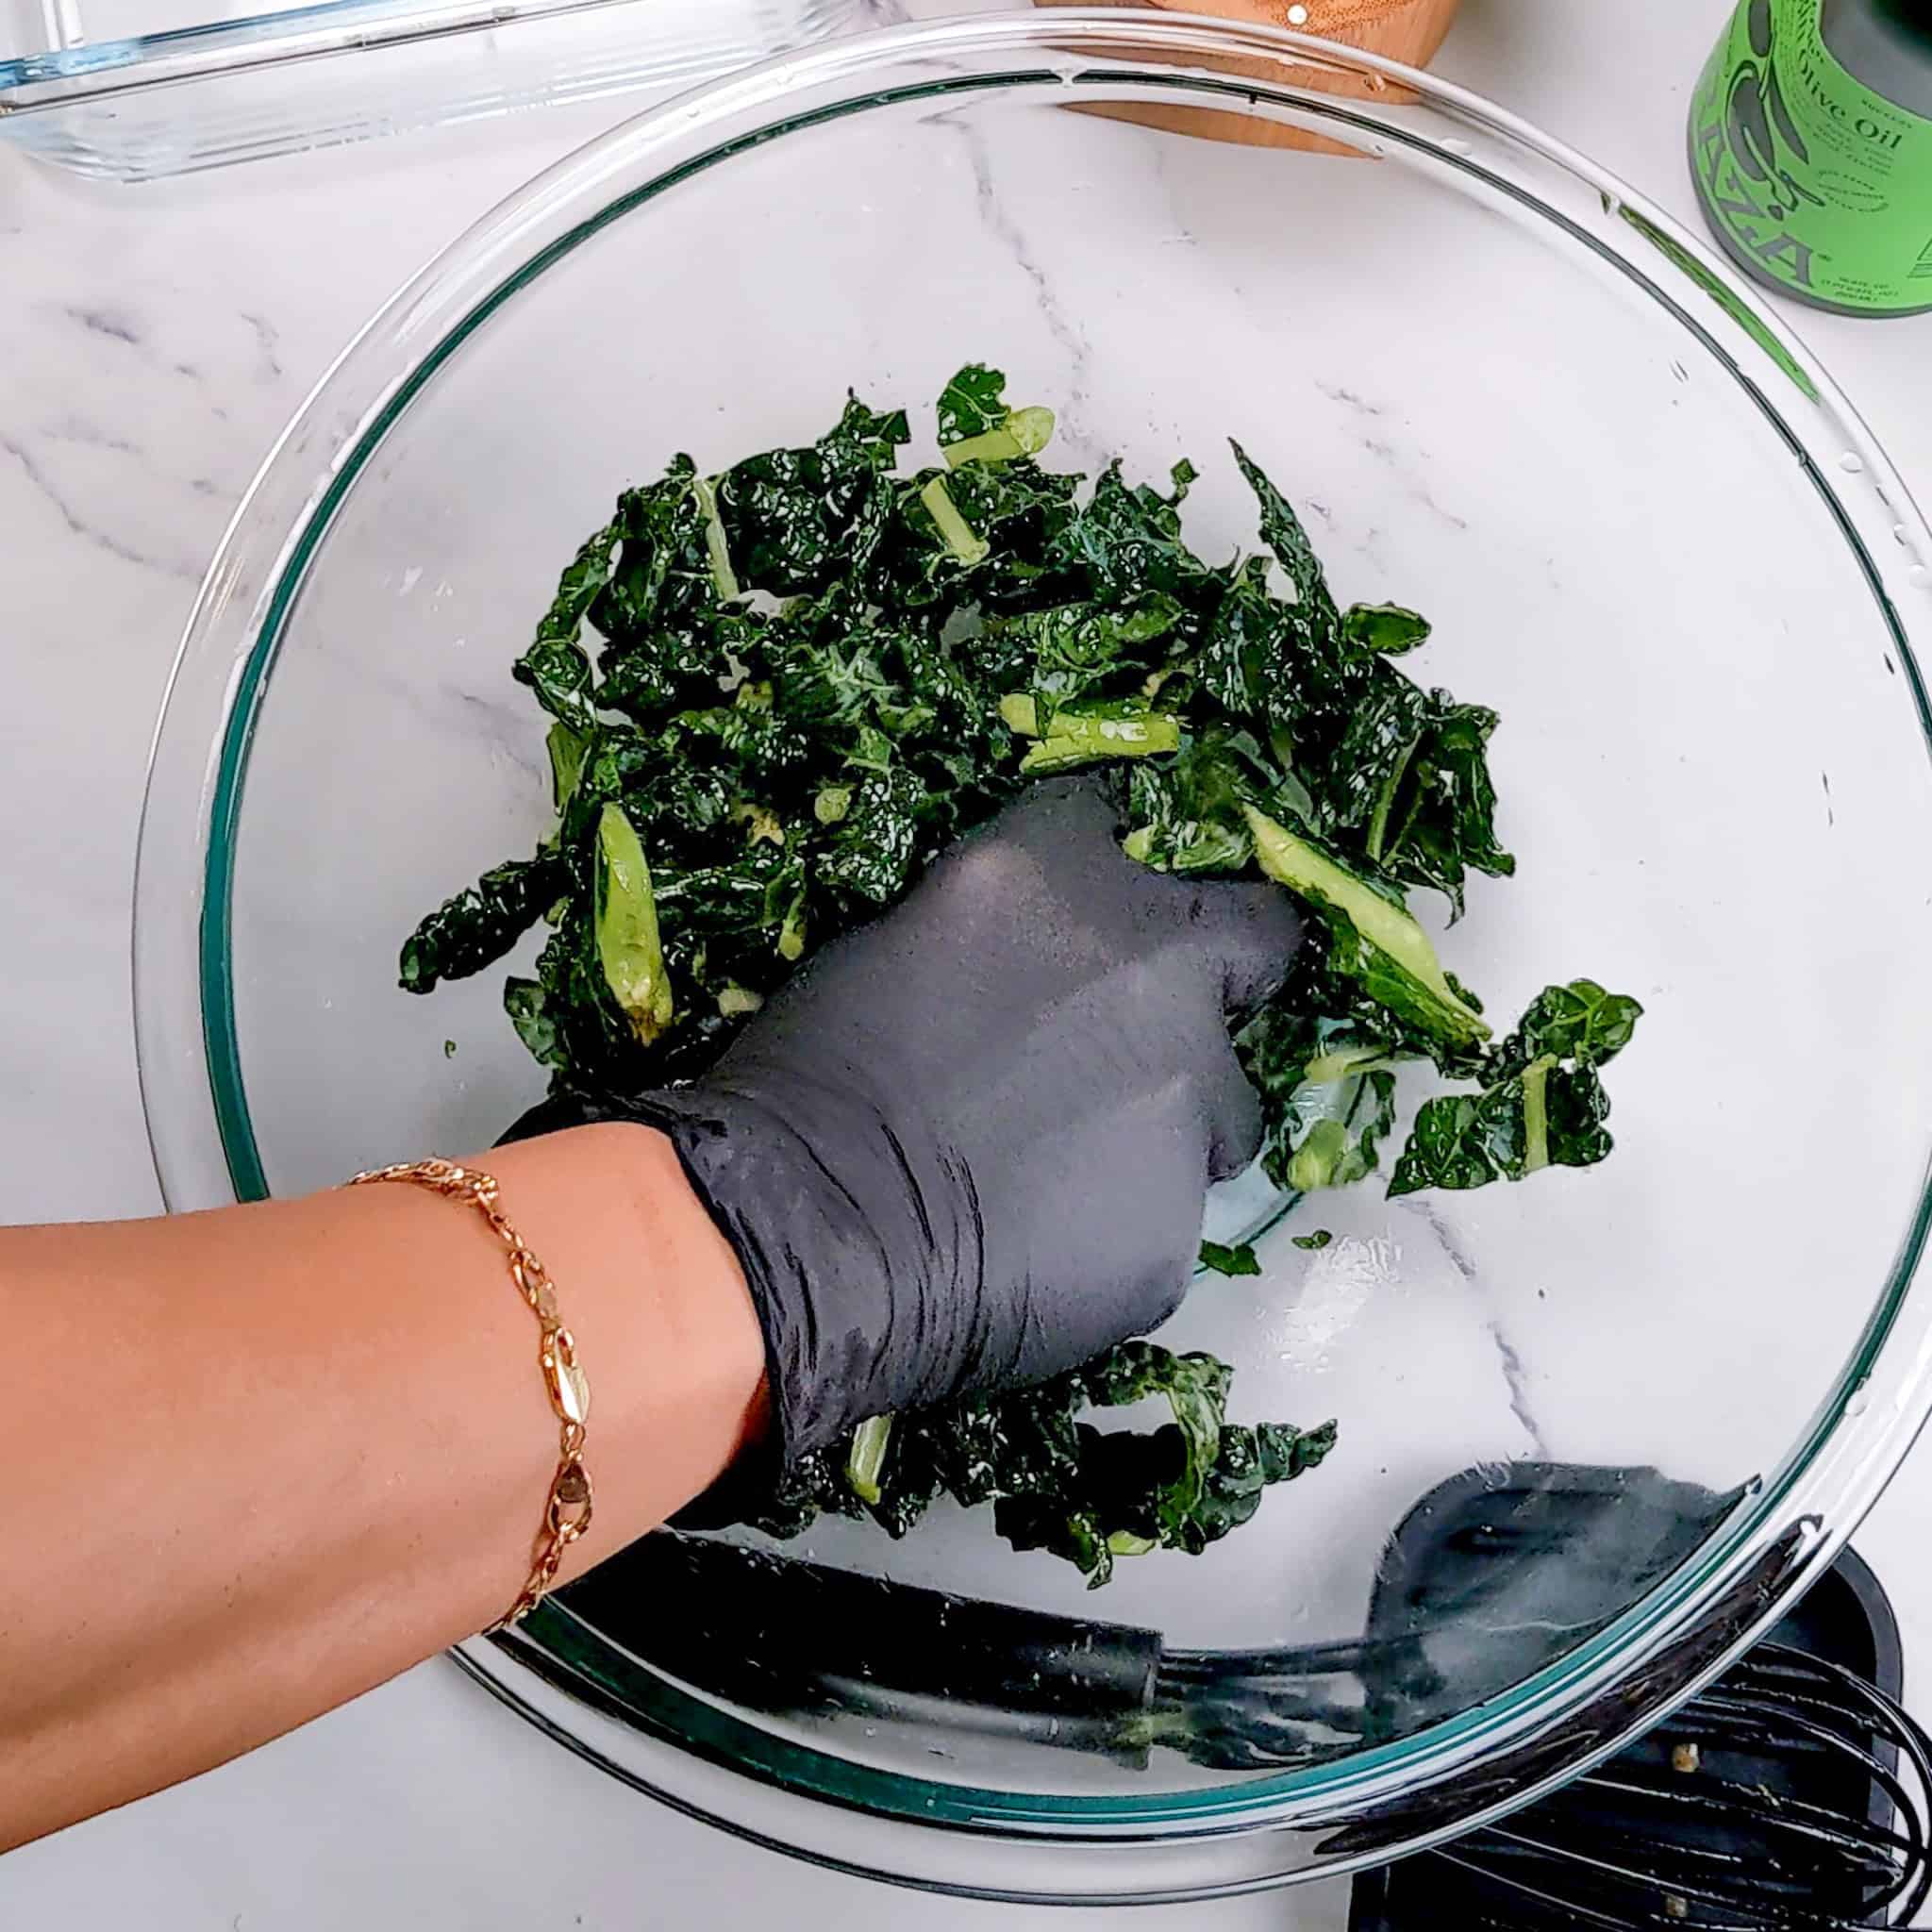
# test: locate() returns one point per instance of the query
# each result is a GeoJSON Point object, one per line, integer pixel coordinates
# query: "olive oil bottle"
{"type": "Point", "coordinates": [1811, 146]}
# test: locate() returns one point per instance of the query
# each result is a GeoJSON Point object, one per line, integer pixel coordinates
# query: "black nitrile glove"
{"type": "Point", "coordinates": [968, 1145]}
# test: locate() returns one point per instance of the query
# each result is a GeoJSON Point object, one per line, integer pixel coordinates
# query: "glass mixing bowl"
{"type": "Point", "coordinates": [1596, 1429]}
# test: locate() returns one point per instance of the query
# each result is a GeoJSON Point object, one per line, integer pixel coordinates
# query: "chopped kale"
{"type": "Point", "coordinates": [976, 427]}
{"type": "Point", "coordinates": [810, 672]}
{"type": "Point", "coordinates": [1543, 1103]}
{"type": "Point", "coordinates": [1221, 1259]}
{"type": "Point", "coordinates": [482, 923]}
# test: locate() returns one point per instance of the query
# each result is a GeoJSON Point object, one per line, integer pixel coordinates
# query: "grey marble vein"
{"type": "Point", "coordinates": [1515, 1376]}
{"type": "Point", "coordinates": [267, 339]}
{"type": "Point", "coordinates": [1068, 335]}
{"type": "Point", "coordinates": [1338, 393]}
{"type": "Point", "coordinates": [1381, 445]}
{"type": "Point", "coordinates": [79, 525]}
{"type": "Point", "coordinates": [116, 324]}
{"type": "Point", "coordinates": [77, 429]}
{"type": "Point", "coordinates": [1517, 1379]}
{"type": "Point", "coordinates": [1387, 454]}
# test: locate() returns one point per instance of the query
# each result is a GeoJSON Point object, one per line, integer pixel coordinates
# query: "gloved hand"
{"type": "Point", "coordinates": [968, 1145]}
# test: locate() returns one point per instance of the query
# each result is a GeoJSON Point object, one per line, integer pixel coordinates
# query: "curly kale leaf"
{"type": "Point", "coordinates": [983, 535]}
{"type": "Point", "coordinates": [1179, 1487]}
{"type": "Point", "coordinates": [482, 923]}
{"type": "Point", "coordinates": [1248, 1461]}
{"type": "Point", "coordinates": [1375, 939]}
{"type": "Point", "coordinates": [1075, 649]}
{"type": "Point", "coordinates": [1112, 1509]}
{"type": "Point", "coordinates": [556, 667]}
{"type": "Point", "coordinates": [795, 519]}
{"type": "Point", "coordinates": [1387, 630]}
{"type": "Point", "coordinates": [1313, 618]}
{"type": "Point", "coordinates": [1058, 1483]}
{"type": "Point", "coordinates": [664, 578]}
{"type": "Point", "coordinates": [1542, 1101]}
{"type": "Point", "coordinates": [1236, 1259]}
{"type": "Point", "coordinates": [1409, 786]}
{"type": "Point", "coordinates": [977, 426]}
{"type": "Point", "coordinates": [1125, 543]}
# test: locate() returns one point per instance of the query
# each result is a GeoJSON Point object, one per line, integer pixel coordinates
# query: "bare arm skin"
{"type": "Point", "coordinates": [258, 1461]}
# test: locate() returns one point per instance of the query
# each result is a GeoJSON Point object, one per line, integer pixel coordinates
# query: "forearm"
{"type": "Point", "coordinates": [259, 1460]}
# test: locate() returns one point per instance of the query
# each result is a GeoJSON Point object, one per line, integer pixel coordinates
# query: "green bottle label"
{"type": "Point", "coordinates": [1822, 186]}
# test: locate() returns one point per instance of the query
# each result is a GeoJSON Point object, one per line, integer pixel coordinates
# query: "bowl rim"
{"type": "Point", "coordinates": [1554, 1724]}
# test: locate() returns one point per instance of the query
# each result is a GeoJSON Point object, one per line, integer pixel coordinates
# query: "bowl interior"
{"type": "Point", "coordinates": [1711, 764]}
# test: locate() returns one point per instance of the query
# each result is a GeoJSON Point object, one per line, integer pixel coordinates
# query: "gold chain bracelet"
{"type": "Point", "coordinates": [567, 1515]}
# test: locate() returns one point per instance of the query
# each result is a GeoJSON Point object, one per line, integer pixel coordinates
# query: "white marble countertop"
{"type": "Point", "coordinates": [152, 343]}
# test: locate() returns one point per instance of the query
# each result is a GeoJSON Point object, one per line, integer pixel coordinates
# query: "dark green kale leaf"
{"type": "Point", "coordinates": [1409, 785]}
{"type": "Point", "coordinates": [1314, 618]}
{"type": "Point", "coordinates": [1219, 1257]}
{"type": "Point", "coordinates": [1126, 542]}
{"type": "Point", "coordinates": [795, 519]}
{"type": "Point", "coordinates": [1327, 1084]}
{"type": "Point", "coordinates": [1580, 1021]}
{"type": "Point", "coordinates": [1464, 1140]}
{"type": "Point", "coordinates": [527, 1003]}
{"type": "Point", "coordinates": [1441, 819]}
{"type": "Point", "coordinates": [1248, 1461]}
{"type": "Point", "coordinates": [482, 923]}
{"type": "Point", "coordinates": [556, 667]}
{"type": "Point", "coordinates": [872, 849]}
{"type": "Point", "coordinates": [1247, 651]}
{"type": "Point", "coordinates": [1060, 1526]}
{"type": "Point", "coordinates": [664, 578]}
{"type": "Point", "coordinates": [1056, 1483]}
{"type": "Point", "coordinates": [812, 1487]}
{"type": "Point", "coordinates": [564, 1016]}
{"type": "Point", "coordinates": [1373, 939]}
{"type": "Point", "coordinates": [1075, 649]}
{"type": "Point", "coordinates": [1130, 1493]}
{"type": "Point", "coordinates": [1385, 726]}
{"type": "Point", "coordinates": [978, 426]}
{"type": "Point", "coordinates": [983, 535]}
{"type": "Point", "coordinates": [1542, 1101]}
{"type": "Point", "coordinates": [1022, 1443]}
{"type": "Point", "coordinates": [1189, 813]}
{"type": "Point", "coordinates": [663, 671]}
{"type": "Point", "coordinates": [1384, 629]}
{"type": "Point", "coordinates": [1194, 1387]}
{"type": "Point", "coordinates": [972, 403]}
{"type": "Point", "coordinates": [748, 734]}
{"type": "Point", "coordinates": [1330, 1134]}
{"type": "Point", "coordinates": [567, 749]}
{"type": "Point", "coordinates": [1122, 1501]}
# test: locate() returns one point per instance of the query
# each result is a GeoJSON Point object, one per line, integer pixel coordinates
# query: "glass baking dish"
{"type": "Point", "coordinates": [132, 89]}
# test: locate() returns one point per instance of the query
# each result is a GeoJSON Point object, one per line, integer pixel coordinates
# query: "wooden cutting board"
{"type": "Point", "coordinates": [1406, 30]}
